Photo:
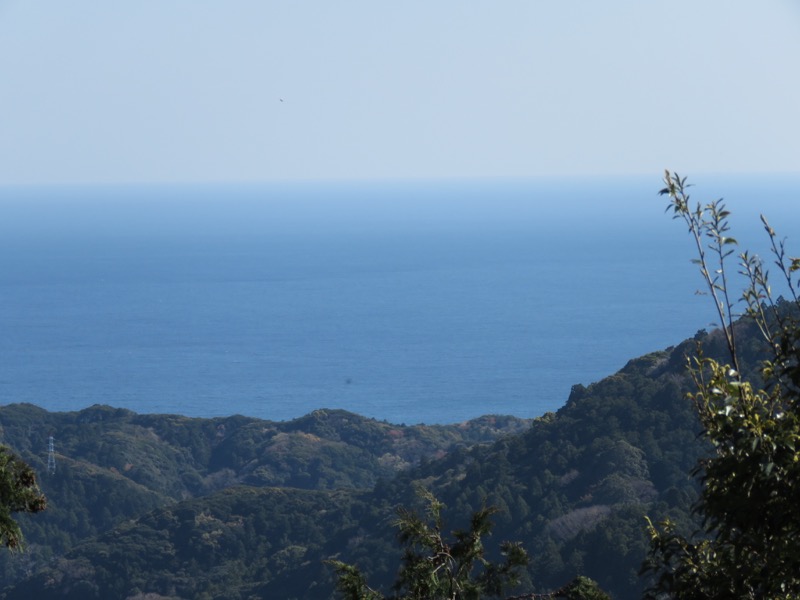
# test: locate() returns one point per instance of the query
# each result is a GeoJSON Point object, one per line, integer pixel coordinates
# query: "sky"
{"type": "Point", "coordinates": [175, 91]}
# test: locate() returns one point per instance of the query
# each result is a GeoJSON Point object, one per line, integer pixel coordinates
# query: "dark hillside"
{"type": "Point", "coordinates": [113, 465]}
{"type": "Point", "coordinates": [575, 487]}
{"type": "Point", "coordinates": [220, 546]}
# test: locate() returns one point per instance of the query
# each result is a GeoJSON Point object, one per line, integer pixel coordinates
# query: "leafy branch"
{"type": "Point", "coordinates": [750, 543]}
{"type": "Point", "coordinates": [708, 225]}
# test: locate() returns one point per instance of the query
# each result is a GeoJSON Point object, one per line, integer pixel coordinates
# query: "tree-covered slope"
{"type": "Point", "coordinates": [225, 545]}
{"type": "Point", "coordinates": [114, 465]}
{"type": "Point", "coordinates": [183, 457]}
{"type": "Point", "coordinates": [575, 487]}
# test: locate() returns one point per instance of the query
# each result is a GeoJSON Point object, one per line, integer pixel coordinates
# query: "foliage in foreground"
{"type": "Point", "coordinates": [18, 493]}
{"type": "Point", "coordinates": [750, 543]}
{"type": "Point", "coordinates": [435, 568]}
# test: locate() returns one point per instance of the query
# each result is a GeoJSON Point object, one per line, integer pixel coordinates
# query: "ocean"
{"type": "Point", "coordinates": [411, 302]}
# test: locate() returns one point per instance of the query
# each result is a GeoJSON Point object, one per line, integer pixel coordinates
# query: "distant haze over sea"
{"type": "Point", "coordinates": [429, 302]}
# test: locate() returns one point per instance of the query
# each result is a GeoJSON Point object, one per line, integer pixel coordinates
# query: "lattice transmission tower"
{"type": "Point", "coordinates": [51, 456]}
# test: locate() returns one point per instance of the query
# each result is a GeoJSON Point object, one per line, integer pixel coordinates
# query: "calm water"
{"type": "Point", "coordinates": [413, 302]}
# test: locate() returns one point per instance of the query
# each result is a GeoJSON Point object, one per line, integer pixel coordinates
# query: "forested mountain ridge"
{"type": "Point", "coordinates": [183, 457]}
{"type": "Point", "coordinates": [574, 488]}
{"type": "Point", "coordinates": [113, 465]}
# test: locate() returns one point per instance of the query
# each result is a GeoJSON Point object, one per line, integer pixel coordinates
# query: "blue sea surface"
{"type": "Point", "coordinates": [412, 302]}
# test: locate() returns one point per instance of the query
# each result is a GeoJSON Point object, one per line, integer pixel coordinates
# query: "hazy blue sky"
{"type": "Point", "coordinates": [193, 90]}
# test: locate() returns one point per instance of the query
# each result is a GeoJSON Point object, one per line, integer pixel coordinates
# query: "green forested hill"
{"type": "Point", "coordinates": [113, 465]}
{"type": "Point", "coordinates": [221, 546]}
{"type": "Point", "coordinates": [573, 487]}
{"type": "Point", "coordinates": [182, 457]}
